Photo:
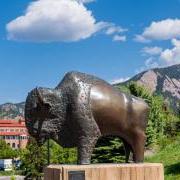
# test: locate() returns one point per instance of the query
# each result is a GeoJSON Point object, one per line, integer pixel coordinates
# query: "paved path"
{"type": "Point", "coordinates": [9, 177]}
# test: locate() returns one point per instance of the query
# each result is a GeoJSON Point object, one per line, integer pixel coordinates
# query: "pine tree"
{"type": "Point", "coordinates": [109, 150]}
{"type": "Point", "coordinates": [34, 159]}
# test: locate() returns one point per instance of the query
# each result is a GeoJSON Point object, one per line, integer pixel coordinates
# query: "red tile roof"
{"type": "Point", "coordinates": [13, 133]}
{"type": "Point", "coordinates": [12, 123]}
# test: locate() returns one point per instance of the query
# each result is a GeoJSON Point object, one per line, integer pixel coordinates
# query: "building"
{"type": "Point", "coordinates": [14, 132]}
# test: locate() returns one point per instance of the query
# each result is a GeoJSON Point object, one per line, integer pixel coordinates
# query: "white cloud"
{"type": "Point", "coordinates": [54, 20]}
{"type": "Point", "coordinates": [140, 38]}
{"type": "Point", "coordinates": [160, 58]}
{"type": "Point", "coordinates": [168, 29]}
{"type": "Point", "coordinates": [175, 42]}
{"type": "Point", "coordinates": [119, 80]}
{"type": "Point", "coordinates": [115, 29]}
{"type": "Point", "coordinates": [160, 30]}
{"type": "Point", "coordinates": [150, 63]}
{"type": "Point", "coordinates": [151, 50]}
{"type": "Point", "coordinates": [171, 56]}
{"type": "Point", "coordinates": [58, 20]}
{"type": "Point", "coordinates": [119, 38]}
{"type": "Point", "coordinates": [84, 1]}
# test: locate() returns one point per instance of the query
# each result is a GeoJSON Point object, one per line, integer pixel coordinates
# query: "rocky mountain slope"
{"type": "Point", "coordinates": [164, 81]}
{"type": "Point", "coordinates": [11, 111]}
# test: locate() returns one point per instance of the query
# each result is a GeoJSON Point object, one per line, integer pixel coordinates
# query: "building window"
{"type": "Point", "coordinates": [13, 145]}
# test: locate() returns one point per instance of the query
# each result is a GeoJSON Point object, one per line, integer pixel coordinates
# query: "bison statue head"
{"type": "Point", "coordinates": [41, 114]}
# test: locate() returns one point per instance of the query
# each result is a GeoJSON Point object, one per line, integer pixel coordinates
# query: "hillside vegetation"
{"type": "Point", "coordinates": [163, 81]}
{"type": "Point", "coordinates": [169, 155]}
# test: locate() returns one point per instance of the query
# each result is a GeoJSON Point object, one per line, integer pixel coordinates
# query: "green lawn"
{"type": "Point", "coordinates": [170, 157]}
{"type": "Point", "coordinates": [10, 173]}
{"type": "Point", "coordinates": [6, 173]}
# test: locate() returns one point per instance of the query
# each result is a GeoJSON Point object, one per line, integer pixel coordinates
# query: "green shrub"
{"type": "Point", "coordinates": [33, 159]}
{"type": "Point", "coordinates": [61, 155]}
{"type": "Point", "coordinates": [162, 122]}
{"type": "Point", "coordinates": [6, 152]}
{"type": "Point", "coordinates": [13, 178]}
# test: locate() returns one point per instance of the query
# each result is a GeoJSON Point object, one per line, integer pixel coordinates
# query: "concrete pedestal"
{"type": "Point", "coordinates": [142, 171]}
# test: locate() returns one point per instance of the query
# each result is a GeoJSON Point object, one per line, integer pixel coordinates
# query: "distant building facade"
{"type": "Point", "coordinates": [14, 132]}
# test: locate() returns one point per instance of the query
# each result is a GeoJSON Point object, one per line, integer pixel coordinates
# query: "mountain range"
{"type": "Point", "coordinates": [164, 81]}
{"type": "Point", "coordinates": [11, 111]}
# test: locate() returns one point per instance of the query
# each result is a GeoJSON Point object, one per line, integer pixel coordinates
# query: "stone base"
{"type": "Point", "coordinates": [142, 171]}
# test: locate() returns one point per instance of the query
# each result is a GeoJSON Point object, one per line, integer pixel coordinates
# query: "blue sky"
{"type": "Point", "coordinates": [40, 42]}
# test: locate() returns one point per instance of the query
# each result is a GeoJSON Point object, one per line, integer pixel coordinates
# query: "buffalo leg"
{"type": "Point", "coordinates": [85, 149]}
{"type": "Point", "coordinates": [127, 148]}
{"type": "Point", "coordinates": [88, 130]}
{"type": "Point", "coordinates": [138, 147]}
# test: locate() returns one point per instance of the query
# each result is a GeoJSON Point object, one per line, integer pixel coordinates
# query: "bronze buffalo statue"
{"type": "Point", "coordinates": [83, 108]}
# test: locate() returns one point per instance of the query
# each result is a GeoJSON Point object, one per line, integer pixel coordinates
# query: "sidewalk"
{"type": "Point", "coordinates": [9, 177]}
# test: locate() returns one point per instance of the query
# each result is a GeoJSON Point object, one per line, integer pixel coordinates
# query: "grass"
{"type": "Point", "coordinates": [6, 173]}
{"type": "Point", "coordinates": [10, 173]}
{"type": "Point", "coordinates": [169, 155]}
